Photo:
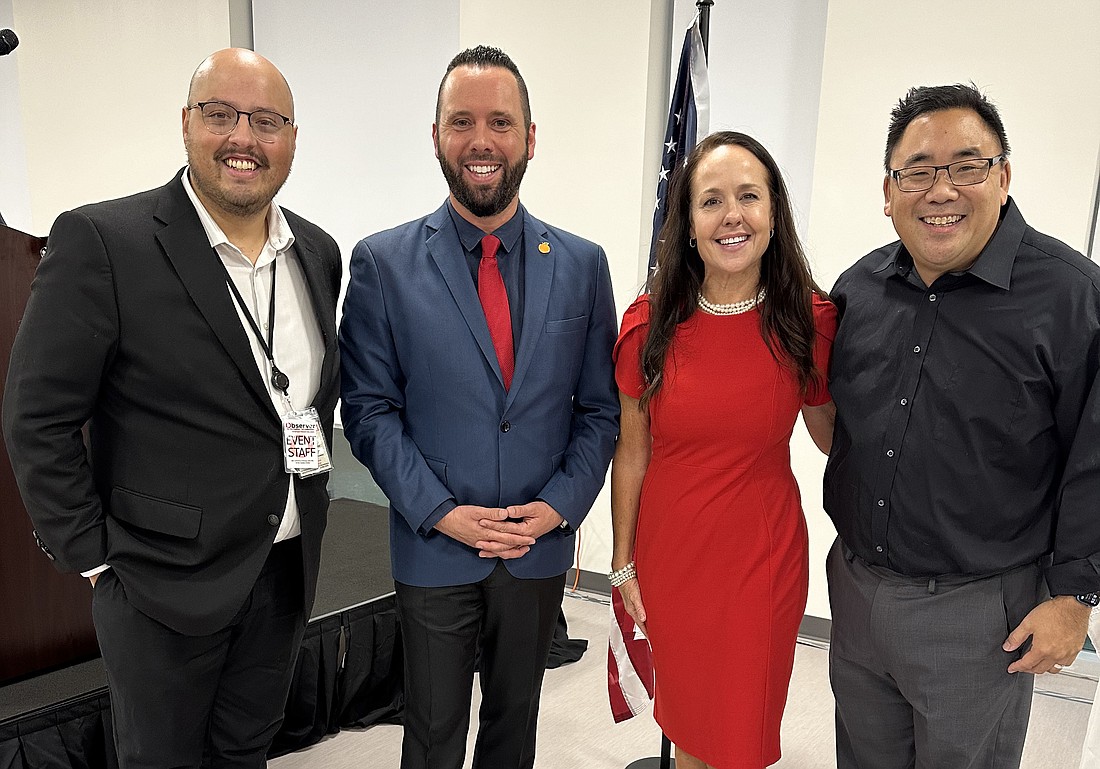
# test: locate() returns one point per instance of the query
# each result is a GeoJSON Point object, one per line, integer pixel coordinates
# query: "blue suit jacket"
{"type": "Point", "coordinates": [424, 404]}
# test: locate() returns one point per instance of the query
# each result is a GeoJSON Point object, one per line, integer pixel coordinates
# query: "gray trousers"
{"type": "Point", "coordinates": [917, 669]}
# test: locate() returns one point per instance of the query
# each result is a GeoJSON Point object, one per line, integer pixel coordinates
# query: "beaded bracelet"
{"type": "Point", "coordinates": [623, 575]}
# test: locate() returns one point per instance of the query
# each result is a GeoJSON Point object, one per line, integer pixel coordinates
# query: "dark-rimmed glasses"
{"type": "Point", "coordinates": [221, 118]}
{"type": "Point", "coordinates": [961, 173]}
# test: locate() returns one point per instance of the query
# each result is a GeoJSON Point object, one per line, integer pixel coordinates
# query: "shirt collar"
{"type": "Point", "coordinates": [279, 235]}
{"type": "Point", "coordinates": [471, 235]}
{"type": "Point", "coordinates": [994, 263]}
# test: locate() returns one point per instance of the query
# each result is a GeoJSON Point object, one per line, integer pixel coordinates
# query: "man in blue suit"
{"type": "Point", "coordinates": [478, 389]}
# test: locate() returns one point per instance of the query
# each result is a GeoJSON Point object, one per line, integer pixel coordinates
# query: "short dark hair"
{"type": "Point", "coordinates": [921, 100]}
{"type": "Point", "coordinates": [482, 57]}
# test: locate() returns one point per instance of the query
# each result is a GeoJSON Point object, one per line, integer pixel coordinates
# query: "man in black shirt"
{"type": "Point", "coordinates": [964, 476]}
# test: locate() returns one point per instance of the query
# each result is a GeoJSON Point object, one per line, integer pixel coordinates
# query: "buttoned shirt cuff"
{"type": "Point", "coordinates": [96, 570]}
{"type": "Point", "coordinates": [436, 516]}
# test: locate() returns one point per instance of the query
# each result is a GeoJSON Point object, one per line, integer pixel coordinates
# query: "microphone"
{"type": "Point", "coordinates": [8, 41]}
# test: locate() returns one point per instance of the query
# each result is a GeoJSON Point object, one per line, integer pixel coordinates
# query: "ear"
{"type": "Point", "coordinates": [1006, 177]}
{"type": "Point", "coordinates": [531, 142]}
{"type": "Point", "coordinates": [184, 118]}
{"type": "Point", "coordinates": [435, 139]}
{"type": "Point", "coordinates": [886, 190]}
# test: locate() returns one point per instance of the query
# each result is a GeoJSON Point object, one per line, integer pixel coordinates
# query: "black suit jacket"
{"type": "Point", "coordinates": [131, 330]}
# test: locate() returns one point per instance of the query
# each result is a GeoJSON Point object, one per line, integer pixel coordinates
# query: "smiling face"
{"type": "Point", "coordinates": [482, 143]}
{"type": "Point", "coordinates": [235, 175]}
{"type": "Point", "coordinates": [946, 227]}
{"type": "Point", "coordinates": [731, 219]}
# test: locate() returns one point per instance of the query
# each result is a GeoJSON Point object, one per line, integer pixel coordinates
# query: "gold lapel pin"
{"type": "Point", "coordinates": [544, 247]}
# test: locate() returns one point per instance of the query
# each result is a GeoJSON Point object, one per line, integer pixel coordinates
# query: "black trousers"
{"type": "Point", "coordinates": [513, 621]}
{"type": "Point", "coordinates": [202, 701]}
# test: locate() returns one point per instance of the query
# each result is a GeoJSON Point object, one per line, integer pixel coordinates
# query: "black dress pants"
{"type": "Point", "coordinates": [441, 627]}
{"type": "Point", "coordinates": [202, 701]}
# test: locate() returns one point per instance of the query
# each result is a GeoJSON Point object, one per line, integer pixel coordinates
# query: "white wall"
{"type": "Point", "coordinates": [15, 192]}
{"type": "Point", "coordinates": [813, 79]}
{"type": "Point", "coordinates": [101, 86]}
{"type": "Point", "coordinates": [765, 68]}
{"type": "Point", "coordinates": [1038, 66]}
{"type": "Point", "coordinates": [364, 104]}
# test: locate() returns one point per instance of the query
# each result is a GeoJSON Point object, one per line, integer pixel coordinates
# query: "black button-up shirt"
{"type": "Point", "coordinates": [968, 412]}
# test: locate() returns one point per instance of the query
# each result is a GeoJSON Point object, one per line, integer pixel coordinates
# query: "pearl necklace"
{"type": "Point", "coordinates": [734, 308]}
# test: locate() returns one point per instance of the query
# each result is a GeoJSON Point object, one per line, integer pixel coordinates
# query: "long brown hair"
{"type": "Point", "coordinates": [786, 315]}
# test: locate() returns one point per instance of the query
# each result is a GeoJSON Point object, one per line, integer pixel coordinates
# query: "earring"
{"type": "Point", "coordinates": [771, 234]}
{"type": "Point", "coordinates": [691, 242]}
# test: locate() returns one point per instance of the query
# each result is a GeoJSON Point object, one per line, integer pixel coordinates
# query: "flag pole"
{"type": "Point", "coordinates": [704, 6]}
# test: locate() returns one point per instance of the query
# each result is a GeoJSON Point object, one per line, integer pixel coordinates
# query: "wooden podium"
{"type": "Point", "coordinates": [45, 616]}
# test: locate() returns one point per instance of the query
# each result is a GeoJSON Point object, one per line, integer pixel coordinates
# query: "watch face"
{"type": "Point", "coordinates": [1089, 599]}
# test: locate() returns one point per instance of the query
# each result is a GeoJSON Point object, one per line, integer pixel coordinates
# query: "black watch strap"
{"type": "Point", "coordinates": [1089, 599]}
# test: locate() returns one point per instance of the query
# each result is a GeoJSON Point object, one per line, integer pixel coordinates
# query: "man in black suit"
{"type": "Point", "coordinates": [157, 320]}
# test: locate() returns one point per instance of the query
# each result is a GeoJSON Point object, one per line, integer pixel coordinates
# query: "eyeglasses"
{"type": "Point", "coordinates": [221, 118]}
{"type": "Point", "coordinates": [962, 173]}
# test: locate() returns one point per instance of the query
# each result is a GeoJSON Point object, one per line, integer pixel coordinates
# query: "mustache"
{"type": "Point", "coordinates": [230, 151]}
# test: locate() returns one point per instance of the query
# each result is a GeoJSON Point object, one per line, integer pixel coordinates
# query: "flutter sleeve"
{"type": "Point", "coordinates": [628, 348]}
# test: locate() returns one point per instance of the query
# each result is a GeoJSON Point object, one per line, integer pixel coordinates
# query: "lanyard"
{"type": "Point", "coordinates": [279, 380]}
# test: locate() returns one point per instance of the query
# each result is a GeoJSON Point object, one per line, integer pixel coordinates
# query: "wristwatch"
{"type": "Point", "coordinates": [1089, 599]}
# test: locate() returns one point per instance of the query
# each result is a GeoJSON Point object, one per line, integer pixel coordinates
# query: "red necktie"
{"type": "Point", "coordinates": [494, 301]}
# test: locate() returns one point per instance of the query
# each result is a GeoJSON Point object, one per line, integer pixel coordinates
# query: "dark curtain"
{"type": "Point", "coordinates": [349, 673]}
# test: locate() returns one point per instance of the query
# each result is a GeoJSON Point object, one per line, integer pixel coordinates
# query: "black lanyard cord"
{"type": "Point", "coordinates": [279, 380]}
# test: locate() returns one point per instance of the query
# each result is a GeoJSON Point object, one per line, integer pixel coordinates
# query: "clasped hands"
{"type": "Point", "coordinates": [492, 534]}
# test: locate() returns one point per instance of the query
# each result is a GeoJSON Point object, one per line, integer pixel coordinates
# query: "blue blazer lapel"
{"type": "Point", "coordinates": [538, 275]}
{"type": "Point", "coordinates": [446, 249]}
{"type": "Point", "coordinates": [199, 269]}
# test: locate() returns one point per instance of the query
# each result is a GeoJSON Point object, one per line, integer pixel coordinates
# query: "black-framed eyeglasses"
{"type": "Point", "coordinates": [221, 118]}
{"type": "Point", "coordinates": [961, 173]}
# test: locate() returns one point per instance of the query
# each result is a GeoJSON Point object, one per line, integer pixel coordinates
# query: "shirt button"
{"type": "Point", "coordinates": [904, 401]}
{"type": "Point", "coordinates": [878, 548]}
{"type": "Point", "coordinates": [273, 519]}
{"type": "Point", "coordinates": [917, 348]}
{"type": "Point", "coordinates": [889, 452]}
{"type": "Point", "coordinates": [505, 426]}
{"type": "Point", "coordinates": [882, 503]}
{"type": "Point", "coordinates": [931, 297]}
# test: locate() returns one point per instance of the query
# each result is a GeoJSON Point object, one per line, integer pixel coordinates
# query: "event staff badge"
{"type": "Point", "coordinates": [304, 449]}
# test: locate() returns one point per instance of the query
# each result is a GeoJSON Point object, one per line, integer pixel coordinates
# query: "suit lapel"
{"type": "Point", "coordinates": [538, 275]}
{"type": "Point", "coordinates": [324, 304]}
{"type": "Point", "coordinates": [199, 269]}
{"type": "Point", "coordinates": [447, 252]}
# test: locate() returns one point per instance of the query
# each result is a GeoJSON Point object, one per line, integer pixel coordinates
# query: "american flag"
{"type": "Point", "coordinates": [688, 122]}
{"type": "Point", "coordinates": [629, 664]}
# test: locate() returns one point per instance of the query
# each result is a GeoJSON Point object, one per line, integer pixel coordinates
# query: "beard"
{"type": "Point", "coordinates": [485, 201]}
{"type": "Point", "coordinates": [235, 201]}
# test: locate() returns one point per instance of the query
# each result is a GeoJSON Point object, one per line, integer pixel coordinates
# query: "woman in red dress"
{"type": "Point", "coordinates": [713, 367]}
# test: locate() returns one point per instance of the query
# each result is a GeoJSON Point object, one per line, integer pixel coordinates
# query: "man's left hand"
{"type": "Point", "coordinates": [1057, 629]}
{"type": "Point", "coordinates": [532, 520]}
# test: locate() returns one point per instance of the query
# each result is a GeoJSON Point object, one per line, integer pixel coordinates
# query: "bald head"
{"type": "Point", "coordinates": [230, 64]}
{"type": "Point", "coordinates": [236, 172]}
